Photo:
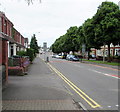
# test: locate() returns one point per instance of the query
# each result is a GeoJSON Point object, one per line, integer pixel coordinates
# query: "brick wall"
{"type": "Point", "coordinates": [22, 40]}
{"type": "Point", "coordinates": [6, 25]}
{"type": "Point", "coordinates": [0, 24]}
{"type": "Point", "coordinates": [0, 51]}
{"type": "Point", "coordinates": [4, 52]}
{"type": "Point", "coordinates": [17, 36]}
{"type": "Point", "coordinates": [5, 57]}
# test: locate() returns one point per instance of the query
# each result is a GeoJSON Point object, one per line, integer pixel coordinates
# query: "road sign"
{"type": "Point", "coordinates": [83, 48]}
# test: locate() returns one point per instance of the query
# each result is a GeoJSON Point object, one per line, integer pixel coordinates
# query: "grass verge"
{"type": "Point", "coordinates": [101, 62]}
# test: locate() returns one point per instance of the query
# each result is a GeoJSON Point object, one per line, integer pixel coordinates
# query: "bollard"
{"type": "Point", "coordinates": [47, 60]}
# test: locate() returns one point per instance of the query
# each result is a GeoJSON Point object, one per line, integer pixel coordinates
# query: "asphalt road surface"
{"type": "Point", "coordinates": [94, 87]}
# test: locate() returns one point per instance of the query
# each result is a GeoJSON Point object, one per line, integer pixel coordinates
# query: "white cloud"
{"type": "Point", "coordinates": [51, 18]}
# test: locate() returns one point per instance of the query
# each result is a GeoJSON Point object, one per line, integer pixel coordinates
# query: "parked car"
{"type": "Point", "coordinates": [64, 56]}
{"type": "Point", "coordinates": [16, 56]}
{"type": "Point", "coordinates": [59, 56]}
{"type": "Point", "coordinates": [92, 56]}
{"type": "Point", "coordinates": [72, 58]}
{"type": "Point", "coordinates": [68, 56]}
{"type": "Point", "coordinates": [54, 56]}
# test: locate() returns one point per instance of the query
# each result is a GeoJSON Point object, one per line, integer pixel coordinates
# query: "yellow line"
{"type": "Point", "coordinates": [76, 89]}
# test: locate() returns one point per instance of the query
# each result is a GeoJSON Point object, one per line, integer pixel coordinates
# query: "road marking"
{"type": "Point", "coordinates": [84, 108]}
{"type": "Point", "coordinates": [77, 65]}
{"type": "Point", "coordinates": [68, 91]}
{"type": "Point", "coordinates": [110, 75]}
{"type": "Point", "coordinates": [83, 95]}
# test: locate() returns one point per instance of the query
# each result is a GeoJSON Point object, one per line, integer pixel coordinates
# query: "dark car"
{"type": "Point", "coordinates": [92, 56]}
{"type": "Point", "coordinates": [72, 58]}
{"type": "Point", "coordinates": [16, 56]}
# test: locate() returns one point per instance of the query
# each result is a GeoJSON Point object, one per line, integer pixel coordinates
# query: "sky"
{"type": "Point", "coordinates": [49, 19]}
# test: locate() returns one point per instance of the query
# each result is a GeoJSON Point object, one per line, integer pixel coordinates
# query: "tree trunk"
{"type": "Point", "coordinates": [114, 50]}
{"type": "Point", "coordinates": [88, 53]}
{"type": "Point", "coordinates": [109, 60]}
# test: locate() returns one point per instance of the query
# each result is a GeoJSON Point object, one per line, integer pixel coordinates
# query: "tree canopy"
{"type": "Point", "coordinates": [34, 44]}
{"type": "Point", "coordinates": [103, 28]}
{"type": "Point", "coordinates": [107, 24]}
{"type": "Point", "coordinates": [31, 1]}
{"type": "Point", "coordinates": [68, 42]}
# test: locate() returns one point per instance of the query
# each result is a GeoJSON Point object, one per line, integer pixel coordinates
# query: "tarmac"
{"type": "Point", "coordinates": [40, 89]}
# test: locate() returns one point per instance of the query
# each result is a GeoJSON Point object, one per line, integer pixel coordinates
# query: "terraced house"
{"type": "Point", "coordinates": [11, 41]}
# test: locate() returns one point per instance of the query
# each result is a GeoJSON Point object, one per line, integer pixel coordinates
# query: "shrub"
{"type": "Point", "coordinates": [22, 53]}
{"type": "Point", "coordinates": [116, 57]}
{"type": "Point", "coordinates": [30, 53]}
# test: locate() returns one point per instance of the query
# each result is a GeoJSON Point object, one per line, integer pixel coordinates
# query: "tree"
{"type": "Point", "coordinates": [34, 44]}
{"type": "Point", "coordinates": [68, 42]}
{"type": "Point", "coordinates": [89, 36]}
{"type": "Point", "coordinates": [30, 53]}
{"type": "Point", "coordinates": [71, 39]}
{"type": "Point", "coordinates": [31, 1]}
{"type": "Point", "coordinates": [107, 24]}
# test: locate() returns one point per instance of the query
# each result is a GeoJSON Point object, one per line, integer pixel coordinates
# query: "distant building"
{"type": "Point", "coordinates": [44, 46]}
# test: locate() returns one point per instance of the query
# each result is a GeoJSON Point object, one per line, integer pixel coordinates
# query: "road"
{"type": "Point", "coordinates": [95, 87]}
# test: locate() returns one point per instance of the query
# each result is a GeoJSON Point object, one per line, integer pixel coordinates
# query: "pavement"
{"type": "Point", "coordinates": [41, 89]}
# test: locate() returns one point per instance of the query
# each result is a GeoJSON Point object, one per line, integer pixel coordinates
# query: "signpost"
{"type": "Point", "coordinates": [83, 50]}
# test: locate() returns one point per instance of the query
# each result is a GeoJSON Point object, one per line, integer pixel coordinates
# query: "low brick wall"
{"type": "Point", "coordinates": [3, 73]}
{"type": "Point", "coordinates": [15, 70]}
{"type": "Point", "coordinates": [18, 66]}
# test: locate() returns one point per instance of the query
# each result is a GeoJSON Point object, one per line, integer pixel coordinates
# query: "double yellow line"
{"type": "Point", "coordinates": [84, 96]}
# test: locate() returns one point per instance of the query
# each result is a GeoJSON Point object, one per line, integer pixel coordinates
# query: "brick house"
{"type": "Point", "coordinates": [11, 41]}
{"type": "Point", "coordinates": [114, 50]}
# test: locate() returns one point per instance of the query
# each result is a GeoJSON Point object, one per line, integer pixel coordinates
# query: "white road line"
{"type": "Point", "coordinates": [104, 73]}
{"type": "Point", "coordinates": [111, 76]}
{"type": "Point", "coordinates": [76, 65]}
{"type": "Point", "coordinates": [117, 105]}
{"type": "Point", "coordinates": [83, 107]}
